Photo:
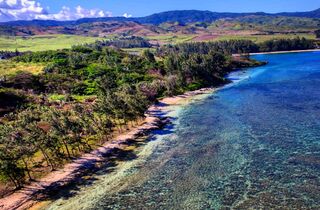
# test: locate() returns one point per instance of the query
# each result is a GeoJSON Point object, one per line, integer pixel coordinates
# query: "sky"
{"type": "Point", "coordinates": [75, 9]}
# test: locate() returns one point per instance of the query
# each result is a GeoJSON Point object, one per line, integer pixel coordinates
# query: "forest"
{"type": "Point", "coordinates": [104, 90]}
{"type": "Point", "coordinates": [239, 46]}
{"type": "Point", "coordinates": [126, 42]}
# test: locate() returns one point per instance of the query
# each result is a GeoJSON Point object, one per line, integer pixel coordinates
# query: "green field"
{"type": "Point", "coordinates": [171, 39]}
{"type": "Point", "coordinates": [54, 42]}
{"type": "Point", "coordinates": [41, 43]}
{"type": "Point", "coordinates": [176, 39]}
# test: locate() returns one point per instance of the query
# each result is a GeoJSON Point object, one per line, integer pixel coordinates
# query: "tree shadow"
{"type": "Point", "coordinates": [89, 173]}
{"type": "Point", "coordinates": [84, 177]}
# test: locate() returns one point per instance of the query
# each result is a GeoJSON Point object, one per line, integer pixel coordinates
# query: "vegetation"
{"type": "Point", "coordinates": [181, 16]}
{"type": "Point", "coordinates": [226, 47]}
{"type": "Point", "coordinates": [8, 54]}
{"type": "Point", "coordinates": [62, 95]}
{"type": "Point", "coordinates": [265, 37]}
{"type": "Point", "coordinates": [166, 39]}
{"type": "Point", "coordinates": [8, 67]}
{"type": "Point", "coordinates": [238, 46]}
{"type": "Point", "coordinates": [42, 42]}
{"type": "Point", "coordinates": [126, 42]}
{"type": "Point", "coordinates": [131, 44]}
{"type": "Point", "coordinates": [286, 45]}
{"type": "Point", "coordinates": [267, 24]}
{"type": "Point", "coordinates": [86, 93]}
{"type": "Point", "coordinates": [317, 32]}
{"type": "Point", "coordinates": [192, 16]}
{"type": "Point", "coordinates": [10, 100]}
{"type": "Point", "coordinates": [171, 38]}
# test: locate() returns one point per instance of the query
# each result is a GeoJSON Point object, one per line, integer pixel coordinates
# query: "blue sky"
{"type": "Point", "coordinates": [75, 9]}
{"type": "Point", "coordinates": [146, 7]}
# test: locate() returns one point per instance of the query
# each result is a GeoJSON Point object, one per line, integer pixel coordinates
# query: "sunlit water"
{"type": "Point", "coordinates": [253, 144]}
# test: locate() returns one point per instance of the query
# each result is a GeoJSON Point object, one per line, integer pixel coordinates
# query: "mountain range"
{"type": "Point", "coordinates": [206, 24]}
{"type": "Point", "coordinates": [181, 16]}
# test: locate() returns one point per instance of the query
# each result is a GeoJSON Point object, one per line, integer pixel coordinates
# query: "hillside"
{"type": "Point", "coordinates": [311, 14]}
{"type": "Point", "coordinates": [182, 16]}
{"type": "Point", "coordinates": [253, 23]}
{"type": "Point", "coordinates": [191, 16]}
{"type": "Point", "coordinates": [268, 24]}
{"type": "Point", "coordinates": [85, 29]}
{"type": "Point", "coordinates": [166, 28]}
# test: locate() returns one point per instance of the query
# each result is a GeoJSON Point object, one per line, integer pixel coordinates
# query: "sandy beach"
{"type": "Point", "coordinates": [33, 193]}
{"type": "Point", "coordinates": [281, 52]}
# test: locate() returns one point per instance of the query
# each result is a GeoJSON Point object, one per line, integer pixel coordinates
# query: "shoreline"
{"type": "Point", "coordinates": [33, 193]}
{"type": "Point", "coordinates": [156, 117]}
{"type": "Point", "coordinates": [279, 52]}
{"type": "Point", "coordinates": [284, 52]}
{"type": "Point", "coordinates": [36, 192]}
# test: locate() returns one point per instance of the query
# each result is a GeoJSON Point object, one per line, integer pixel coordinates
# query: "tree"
{"type": "Point", "coordinates": [148, 55]}
{"type": "Point", "coordinates": [317, 32]}
{"type": "Point", "coordinates": [9, 156]}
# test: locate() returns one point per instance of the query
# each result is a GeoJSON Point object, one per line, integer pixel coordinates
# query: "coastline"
{"type": "Point", "coordinates": [283, 52]}
{"type": "Point", "coordinates": [33, 193]}
{"type": "Point", "coordinates": [279, 52]}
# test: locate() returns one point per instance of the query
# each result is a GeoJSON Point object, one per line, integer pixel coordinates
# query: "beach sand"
{"type": "Point", "coordinates": [281, 52]}
{"type": "Point", "coordinates": [33, 193]}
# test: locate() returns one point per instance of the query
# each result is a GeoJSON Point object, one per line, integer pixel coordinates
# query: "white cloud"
{"type": "Point", "coordinates": [28, 10]}
{"type": "Point", "coordinates": [20, 9]}
{"type": "Point", "coordinates": [79, 12]}
{"type": "Point", "coordinates": [126, 15]}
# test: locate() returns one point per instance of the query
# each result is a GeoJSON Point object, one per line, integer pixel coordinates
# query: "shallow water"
{"type": "Point", "coordinates": [253, 144]}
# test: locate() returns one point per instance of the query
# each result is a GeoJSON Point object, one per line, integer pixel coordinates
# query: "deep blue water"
{"type": "Point", "coordinates": [254, 144]}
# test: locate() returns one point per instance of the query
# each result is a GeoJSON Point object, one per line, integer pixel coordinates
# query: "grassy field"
{"type": "Point", "coordinates": [41, 43]}
{"type": "Point", "coordinates": [174, 39]}
{"type": "Point", "coordinates": [171, 39]}
{"type": "Point", "coordinates": [54, 42]}
{"type": "Point", "coordinates": [9, 67]}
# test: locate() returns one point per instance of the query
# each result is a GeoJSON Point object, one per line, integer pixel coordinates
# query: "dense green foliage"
{"type": "Point", "coordinates": [225, 47]}
{"type": "Point", "coordinates": [9, 54]}
{"type": "Point", "coordinates": [10, 100]}
{"type": "Point", "coordinates": [238, 46]}
{"type": "Point", "coordinates": [286, 45]}
{"type": "Point", "coordinates": [122, 85]}
{"type": "Point", "coordinates": [317, 32]}
{"type": "Point", "coordinates": [126, 42]}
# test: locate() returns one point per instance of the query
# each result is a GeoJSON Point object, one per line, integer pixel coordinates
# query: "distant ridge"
{"type": "Point", "coordinates": [181, 16]}
{"type": "Point", "coordinates": [190, 16]}
{"type": "Point", "coordinates": [311, 14]}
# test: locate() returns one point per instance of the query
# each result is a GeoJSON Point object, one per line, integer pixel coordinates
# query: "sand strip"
{"type": "Point", "coordinates": [31, 194]}
{"type": "Point", "coordinates": [279, 52]}
{"type": "Point", "coordinates": [283, 52]}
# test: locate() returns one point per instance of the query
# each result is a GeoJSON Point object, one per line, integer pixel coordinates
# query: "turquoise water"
{"type": "Point", "coordinates": [253, 144]}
